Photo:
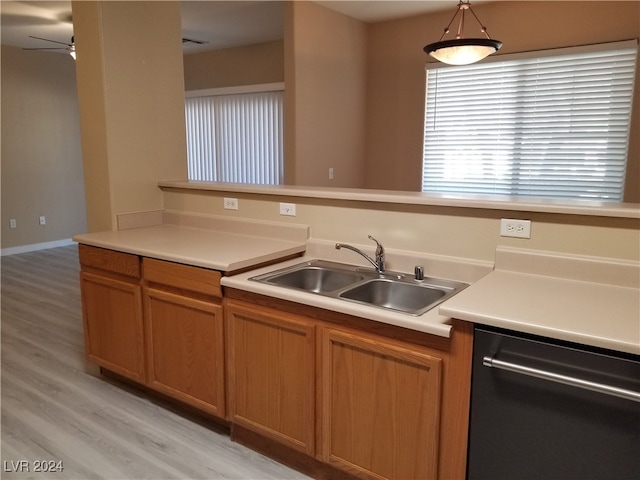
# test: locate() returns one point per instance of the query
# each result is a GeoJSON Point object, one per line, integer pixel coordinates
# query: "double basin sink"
{"type": "Point", "coordinates": [390, 290]}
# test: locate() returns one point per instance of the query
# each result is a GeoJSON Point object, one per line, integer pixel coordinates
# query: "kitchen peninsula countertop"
{"type": "Point", "coordinates": [584, 300]}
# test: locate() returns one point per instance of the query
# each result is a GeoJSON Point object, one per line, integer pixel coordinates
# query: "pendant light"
{"type": "Point", "coordinates": [463, 51]}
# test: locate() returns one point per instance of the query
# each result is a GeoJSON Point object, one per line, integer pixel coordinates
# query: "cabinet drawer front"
{"type": "Point", "coordinates": [195, 279]}
{"type": "Point", "coordinates": [109, 260]}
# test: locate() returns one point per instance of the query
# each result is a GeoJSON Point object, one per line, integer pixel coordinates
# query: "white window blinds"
{"type": "Point", "coordinates": [544, 124]}
{"type": "Point", "coordinates": [235, 137]}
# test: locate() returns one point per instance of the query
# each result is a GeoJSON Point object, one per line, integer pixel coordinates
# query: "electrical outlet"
{"type": "Point", "coordinates": [288, 209]}
{"type": "Point", "coordinates": [515, 228]}
{"type": "Point", "coordinates": [230, 203]}
{"type": "Point", "coordinates": [331, 173]}
{"type": "Point", "coordinates": [43, 220]}
{"type": "Point", "coordinates": [12, 223]}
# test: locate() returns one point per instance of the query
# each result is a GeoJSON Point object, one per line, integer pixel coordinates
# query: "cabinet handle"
{"type": "Point", "coordinates": [563, 379]}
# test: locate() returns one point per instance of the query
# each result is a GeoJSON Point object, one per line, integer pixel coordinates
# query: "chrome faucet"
{"type": "Point", "coordinates": [378, 263]}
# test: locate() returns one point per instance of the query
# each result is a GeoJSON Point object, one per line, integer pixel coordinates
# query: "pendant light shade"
{"type": "Point", "coordinates": [463, 51]}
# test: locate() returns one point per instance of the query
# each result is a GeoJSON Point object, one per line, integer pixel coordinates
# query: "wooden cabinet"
{"type": "Point", "coordinates": [380, 406]}
{"type": "Point", "coordinates": [184, 334]}
{"type": "Point", "coordinates": [388, 403]}
{"type": "Point", "coordinates": [157, 323]}
{"type": "Point", "coordinates": [271, 357]}
{"type": "Point", "coordinates": [334, 395]}
{"type": "Point", "coordinates": [112, 311]}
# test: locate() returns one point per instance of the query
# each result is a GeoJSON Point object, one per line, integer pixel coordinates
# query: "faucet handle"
{"type": "Point", "coordinates": [379, 247]}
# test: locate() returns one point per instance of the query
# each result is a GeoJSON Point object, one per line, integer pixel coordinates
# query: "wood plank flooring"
{"type": "Point", "coordinates": [56, 407]}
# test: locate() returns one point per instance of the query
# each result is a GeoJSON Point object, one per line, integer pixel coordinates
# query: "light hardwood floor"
{"type": "Point", "coordinates": [56, 406]}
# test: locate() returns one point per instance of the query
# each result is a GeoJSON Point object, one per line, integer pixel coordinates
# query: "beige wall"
{"type": "Point", "coordinates": [467, 233]}
{"type": "Point", "coordinates": [41, 154]}
{"type": "Point", "coordinates": [471, 233]}
{"type": "Point", "coordinates": [325, 74]}
{"type": "Point", "coordinates": [395, 93]}
{"type": "Point", "coordinates": [131, 96]}
{"type": "Point", "coordinates": [228, 67]}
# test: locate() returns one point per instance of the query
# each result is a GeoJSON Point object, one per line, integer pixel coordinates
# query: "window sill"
{"type": "Point", "coordinates": [497, 202]}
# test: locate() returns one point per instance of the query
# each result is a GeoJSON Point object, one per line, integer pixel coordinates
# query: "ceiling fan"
{"type": "Point", "coordinates": [70, 47]}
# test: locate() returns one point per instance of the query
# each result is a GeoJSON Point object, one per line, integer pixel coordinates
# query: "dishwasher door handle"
{"type": "Point", "coordinates": [563, 379]}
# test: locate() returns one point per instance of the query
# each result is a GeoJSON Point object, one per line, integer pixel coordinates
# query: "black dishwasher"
{"type": "Point", "coordinates": [545, 409]}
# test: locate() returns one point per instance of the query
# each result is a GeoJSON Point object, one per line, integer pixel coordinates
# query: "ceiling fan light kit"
{"type": "Point", "coordinates": [463, 51]}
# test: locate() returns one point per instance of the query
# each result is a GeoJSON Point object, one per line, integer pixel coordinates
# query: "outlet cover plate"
{"type": "Point", "coordinates": [288, 209]}
{"type": "Point", "coordinates": [510, 227]}
{"type": "Point", "coordinates": [230, 203]}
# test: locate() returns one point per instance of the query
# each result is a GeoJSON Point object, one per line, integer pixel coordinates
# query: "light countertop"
{"type": "Point", "coordinates": [226, 247]}
{"type": "Point", "coordinates": [558, 297]}
{"type": "Point", "coordinates": [587, 300]}
{"type": "Point", "coordinates": [584, 300]}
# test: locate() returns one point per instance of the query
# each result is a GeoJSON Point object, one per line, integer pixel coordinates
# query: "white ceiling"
{"type": "Point", "coordinates": [222, 24]}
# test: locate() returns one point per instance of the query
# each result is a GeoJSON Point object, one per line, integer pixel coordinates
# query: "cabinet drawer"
{"type": "Point", "coordinates": [109, 260]}
{"type": "Point", "coordinates": [185, 277]}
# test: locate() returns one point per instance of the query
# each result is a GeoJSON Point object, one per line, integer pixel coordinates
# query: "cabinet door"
{"type": "Point", "coordinates": [271, 374]}
{"type": "Point", "coordinates": [380, 407]}
{"type": "Point", "coordinates": [185, 349]}
{"type": "Point", "coordinates": [113, 325]}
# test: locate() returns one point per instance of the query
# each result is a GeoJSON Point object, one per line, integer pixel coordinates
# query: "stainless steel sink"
{"type": "Point", "coordinates": [389, 290]}
{"type": "Point", "coordinates": [404, 297]}
{"type": "Point", "coordinates": [316, 279]}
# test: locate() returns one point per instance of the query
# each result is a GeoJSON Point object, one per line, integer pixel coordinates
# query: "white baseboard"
{"type": "Point", "coordinates": [36, 246]}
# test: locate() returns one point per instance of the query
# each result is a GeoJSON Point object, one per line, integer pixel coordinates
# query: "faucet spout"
{"type": "Point", "coordinates": [378, 263]}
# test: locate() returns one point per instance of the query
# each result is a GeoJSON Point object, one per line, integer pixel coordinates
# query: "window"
{"type": "Point", "coordinates": [235, 135]}
{"type": "Point", "coordinates": [542, 124]}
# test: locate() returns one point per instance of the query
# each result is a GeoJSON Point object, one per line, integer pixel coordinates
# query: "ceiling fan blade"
{"type": "Point", "coordinates": [52, 48]}
{"type": "Point", "coordinates": [191, 40]}
{"type": "Point", "coordinates": [54, 41]}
